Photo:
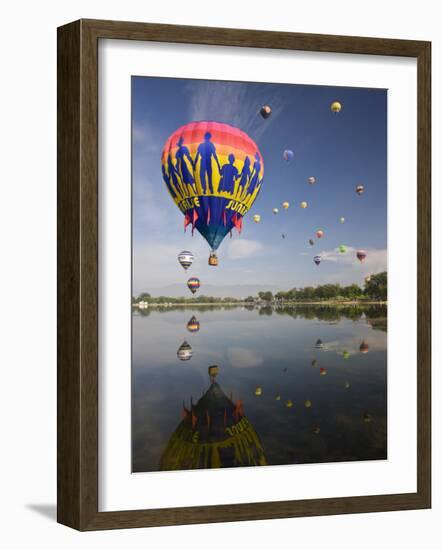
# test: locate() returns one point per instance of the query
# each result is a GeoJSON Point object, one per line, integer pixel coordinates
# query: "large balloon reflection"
{"type": "Point", "coordinates": [214, 433]}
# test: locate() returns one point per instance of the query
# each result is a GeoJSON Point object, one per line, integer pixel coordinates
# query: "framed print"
{"type": "Point", "coordinates": [241, 216]}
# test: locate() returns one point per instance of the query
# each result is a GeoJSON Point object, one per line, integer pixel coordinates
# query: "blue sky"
{"type": "Point", "coordinates": [340, 150]}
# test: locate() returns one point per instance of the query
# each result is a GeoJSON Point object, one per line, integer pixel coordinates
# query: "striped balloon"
{"type": "Point", "coordinates": [186, 258]}
{"type": "Point", "coordinates": [213, 172]}
{"type": "Point", "coordinates": [193, 283]}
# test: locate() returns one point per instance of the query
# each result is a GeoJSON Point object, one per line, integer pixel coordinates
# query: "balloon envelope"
{"type": "Point", "coordinates": [185, 352]}
{"type": "Point", "coordinates": [317, 260]}
{"type": "Point", "coordinates": [303, 204]}
{"type": "Point", "coordinates": [359, 189]}
{"type": "Point", "coordinates": [342, 248]}
{"type": "Point", "coordinates": [361, 255]}
{"type": "Point", "coordinates": [311, 180]}
{"type": "Point", "coordinates": [275, 210]}
{"type": "Point", "coordinates": [342, 219]}
{"type": "Point", "coordinates": [287, 155]}
{"type": "Point", "coordinates": [285, 205]}
{"type": "Point", "coordinates": [311, 242]}
{"type": "Point", "coordinates": [213, 172]}
{"type": "Point", "coordinates": [256, 218]}
{"type": "Point", "coordinates": [266, 111]}
{"type": "Point", "coordinates": [193, 283]}
{"type": "Point", "coordinates": [335, 107]}
{"type": "Point", "coordinates": [319, 233]}
{"type": "Point", "coordinates": [193, 325]}
{"type": "Point", "coordinates": [185, 258]}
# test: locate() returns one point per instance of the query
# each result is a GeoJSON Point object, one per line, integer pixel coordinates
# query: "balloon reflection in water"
{"type": "Point", "coordinates": [185, 352]}
{"type": "Point", "coordinates": [363, 348]}
{"type": "Point", "coordinates": [193, 325]}
{"type": "Point", "coordinates": [214, 433]}
{"type": "Point", "coordinates": [322, 371]}
{"type": "Point", "coordinates": [289, 403]}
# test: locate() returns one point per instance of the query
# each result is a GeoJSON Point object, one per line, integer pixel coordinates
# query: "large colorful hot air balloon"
{"type": "Point", "coordinates": [193, 283]}
{"type": "Point", "coordinates": [361, 255]}
{"type": "Point", "coordinates": [287, 155]}
{"type": "Point", "coordinates": [335, 107]}
{"type": "Point", "coordinates": [266, 111]}
{"type": "Point", "coordinates": [213, 172]}
{"type": "Point", "coordinates": [317, 260]}
{"type": "Point", "coordinates": [185, 258]}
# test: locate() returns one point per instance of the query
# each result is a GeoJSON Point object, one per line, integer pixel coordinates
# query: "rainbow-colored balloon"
{"type": "Point", "coordinates": [213, 172]}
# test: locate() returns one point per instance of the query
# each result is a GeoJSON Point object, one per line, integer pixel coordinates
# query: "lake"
{"type": "Point", "coordinates": [304, 384]}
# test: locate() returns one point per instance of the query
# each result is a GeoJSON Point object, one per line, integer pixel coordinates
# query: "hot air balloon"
{"type": "Point", "coordinates": [316, 430]}
{"type": "Point", "coordinates": [184, 352]}
{"type": "Point", "coordinates": [265, 111]}
{"type": "Point", "coordinates": [185, 258]}
{"type": "Point", "coordinates": [346, 354]}
{"type": "Point", "coordinates": [311, 180]}
{"type": "Point", "coordinates": [307, 403]}
{"type": "Point", "coordinates": [258, 390]}
{"type": "Point", "coordinates": [283, 236]}
{"type": "Point", "coordinates": [213, 172]}
{"type": "Point", "coordinates": [367, 418]}
{"type": "Point", "coordinates": [342, 219]}
{"type": "Point", "coordinates": [367, 279]}
{"type": "Point", "coordinates": [303, 204]}
{"type": "Point", "coordinates": [317, 260]}
{"type": "Point", "coordinates": [256, 218]}
{"type": "Point", "coordinates": [360, 189]}
{"type": "Point", "coordinates": [361, 255]}
{"type": "Point", "coordinates": [319, 233]}
{"type": "Point", "coordinates": [335, 107]}
{"type": "Point", "coordinates": [319, 344]}
{"type": "Point", "coordinates": [193, 325]}
{"type": "Point", "coordinates": [311, 242]}
{"type": "Point", "coordinates": [275, 210]}
{"type": "Point", "coordinates": [193, 283]}
{"type": "Point", "coordinates": [363, 348]}
{"type": "Point", "coordinates": [342, 249]}
{"type": "Point", "coordinates": [314, 363]}
{"type": "Point", "coordinates": [287, 155]}
{"type": "Point", "coordinates": [347, 385]}
{"type": "Point", "coordinates": [285, 205]}
{"type": "Point", "coordinates": [289, 403]}
{"type": "Point", "coordinates": [322, 371]}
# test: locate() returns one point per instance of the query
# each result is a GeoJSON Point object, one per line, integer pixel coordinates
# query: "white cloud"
{"type": "Point", "coordinates": [243, 358]}
{"type": "Point", "coordinates": [243, 248]}
{"type": "Point", "coordinates": [376, 259]}
{"type": "Point", "coordinates": [144, 136]}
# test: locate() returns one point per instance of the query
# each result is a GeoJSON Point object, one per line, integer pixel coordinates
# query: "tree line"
{"type": "Point", "coordinates": [375, 288]}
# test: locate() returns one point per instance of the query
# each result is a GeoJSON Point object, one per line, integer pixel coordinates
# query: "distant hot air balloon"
{"type": "Point", "coordinates": [360, 189]}
{"type": "Point", "coordinates": [285, 205]}
{"type": "Point", "coordinates": [361, 255]}
{"type": "Point", "coordinates": [347, 385]}
{"type": "Point", "coordinates": [316, 430]}
{"type": "Point", "coordinates": [319, 233]}
{"type": "Point", "coordinates": [314, 363]}
{"type": "Point", "coordinates": [367, 418]}
{"type": "Point", "coordinates": [307, 403]}
{"type": "Point", "coordinates": [287, 155]}
{"type": "Point", "coordinates": [322, 371]}
{"type": "Point", "coordinates": [367, 279]}
{"type": "Point", "coordinates": [317, 260]}
{"type": "Point", "coordinates": [185, 258]}
{"type": "Point", "coordinates": [311, 242]}
{"type": "Point", "coordinates": [265, 111]}
{"type": "Point", "coordinates": [184, 352]}
{"type": "Point", "coordinates": [278, 397]}
{"type": "Point", "coordinates": [363, 348]}
{"type": "Point", "coordinates": [283, 236]}
{"type": "Point", "coordinates": [342, 249]}
{"type": "Point", "coordinates": [256, 218]}
{"type": "Point", "coordinates": [319, 344]}
{"type": "Point", "coordinates": [346, 354]}
{"type": "Point", "coordinates": [193, 283]}
{"type": "Point", "coordinates": [335, 107]}
{"type": "Point", "coordinates": [289, 403]}
{"type": "Point", "coordinates": [311, 180]}
{"type": "Point", "coordinates": [275, 210]}
{"type": "Point", "coordinates": [193, 325]}
{"type": "Point", "coordinates": [213, 172]}
{"type": "Point", "coordinates": [303, 204]}
{"type": "Point", "coordinates": [258, 390]}
{"type": "Point", "coordinates": [342, 219]}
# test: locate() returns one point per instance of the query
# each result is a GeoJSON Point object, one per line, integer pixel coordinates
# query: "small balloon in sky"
{"type": "Point", "coordinates": [303, 204]}
{"type": "Point", "coordinates": [311, 180]}
{"type": "Point", "coordinates": [275, 210]}
{"type": "Point", "coordinates": [335, 107]}
{"type": "Point", "coordinates": [287, 155]}
{"type": "Point", "coordinates": [360, 189]}
{"type": "Point", "coordinates": [342, 219]}
{"type": "Point", "coordinates": [256, 218]}
{"type": "Point", "coordinates": [285, 205]}
{"type": "Point", "coordinates": [265, 111]}
{"type": "Point", "coordinates": [319, 233]}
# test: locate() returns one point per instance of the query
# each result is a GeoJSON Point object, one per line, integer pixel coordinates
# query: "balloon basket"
{"type": "Point", "coordinates": [213, 259]}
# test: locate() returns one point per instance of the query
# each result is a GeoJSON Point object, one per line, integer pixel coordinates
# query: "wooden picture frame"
{"type": "Point", "coordinates": [78, 274]}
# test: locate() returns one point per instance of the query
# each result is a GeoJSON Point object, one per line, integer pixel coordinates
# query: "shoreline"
{"type": "Point", "coordinates": [271, 304]}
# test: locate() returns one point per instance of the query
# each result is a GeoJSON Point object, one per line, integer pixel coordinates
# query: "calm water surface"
{"type": "Point", "coordinates": [337, 386]}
